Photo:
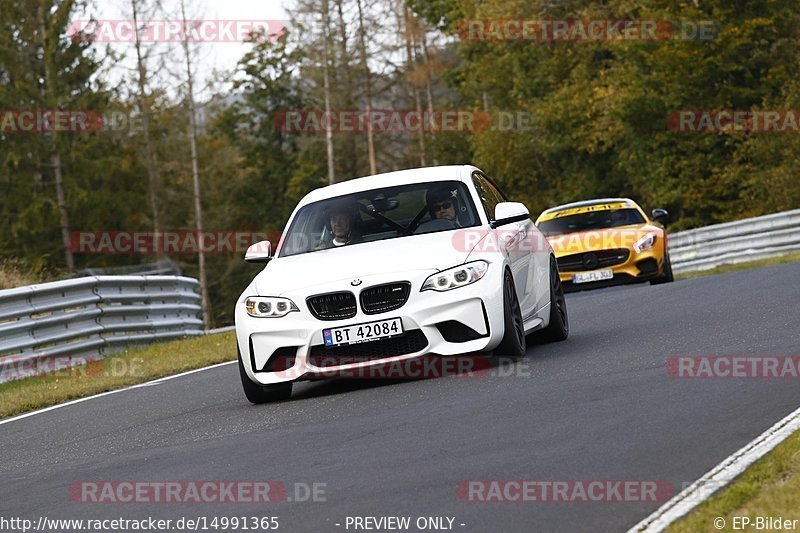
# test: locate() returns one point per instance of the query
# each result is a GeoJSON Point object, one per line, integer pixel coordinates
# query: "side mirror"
{"type": "Point", "coordinates": [660, 215]}
{"type": "Point", "coordinates": [260, 252]}
{"type": "Point", "coordinates": [508, 212]}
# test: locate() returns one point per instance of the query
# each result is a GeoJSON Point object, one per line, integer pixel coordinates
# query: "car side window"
{"type": "Point", "coordinates": [489, 196]}
{"type": "Point", "coordinates": [498, 194]}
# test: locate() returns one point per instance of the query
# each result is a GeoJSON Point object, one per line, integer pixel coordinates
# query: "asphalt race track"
{"type": "Point", "coordinates": [600, 406]}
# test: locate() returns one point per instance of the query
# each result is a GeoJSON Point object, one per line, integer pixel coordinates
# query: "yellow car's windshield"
{"type": "Point", "coordinates": [591, 220]}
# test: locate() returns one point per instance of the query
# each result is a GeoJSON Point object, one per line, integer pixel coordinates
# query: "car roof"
{"type": "Point", "coordinates": [389, 179]}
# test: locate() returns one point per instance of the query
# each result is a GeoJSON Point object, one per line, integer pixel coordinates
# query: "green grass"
{"type": "Point", "coordinates": [15, 273]}
{"type": "Point", "coordinates": [135, 365]}
{"type": "Point", "coordinates": [769, 488]}
{"type": "Point", "coordinates": [777, 260]}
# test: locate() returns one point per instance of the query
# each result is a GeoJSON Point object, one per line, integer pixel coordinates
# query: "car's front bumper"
{"type": "Point", "coordinates": [639, 267]}
{"type": "Point", "coordinates": [297, 337]}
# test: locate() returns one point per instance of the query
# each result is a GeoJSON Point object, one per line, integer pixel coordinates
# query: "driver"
{"type": "Point", "coordinates": [443, 204]}
{"type": "Point", "coordinates": [343, 219]}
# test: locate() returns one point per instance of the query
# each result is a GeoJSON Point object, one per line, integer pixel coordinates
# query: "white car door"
{"type": "Point", "coordinates": [512, 239]}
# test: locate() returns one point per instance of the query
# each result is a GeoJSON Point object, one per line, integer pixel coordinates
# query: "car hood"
{"type": "Point", "coordinates": [600, 239]}
{"type": "Point", "coordinates": [434, 251]}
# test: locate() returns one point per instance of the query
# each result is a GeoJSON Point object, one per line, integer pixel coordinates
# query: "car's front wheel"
{"type": "Point", "coordinates": [513, 343]}
{"type": "Point", "coordinates": [667, 276]}
{"type": "Point", "coordinates": [256, 393]}
{"type": "Point", "coordinates": [558, 328]}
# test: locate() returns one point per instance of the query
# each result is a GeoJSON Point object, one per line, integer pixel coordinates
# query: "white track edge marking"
{"type": "Point", "coordinates": [719, 476]}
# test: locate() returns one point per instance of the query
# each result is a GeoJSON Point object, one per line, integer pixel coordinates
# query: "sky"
{"type": "Point", "coordinates": [211, 56]}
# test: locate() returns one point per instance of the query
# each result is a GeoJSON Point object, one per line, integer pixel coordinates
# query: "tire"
{"type": "Point", "coordinates": [513, 344]}
{"type": "Point", "coordinates": [558, 328]}
{"type": "Point", "coordinates": [667, 276]}
{"type": "Point", "coordinates": [257, 394]}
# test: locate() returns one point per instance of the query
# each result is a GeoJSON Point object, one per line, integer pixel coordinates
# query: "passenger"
{"type": "Point", "coordinates": [443, 205]}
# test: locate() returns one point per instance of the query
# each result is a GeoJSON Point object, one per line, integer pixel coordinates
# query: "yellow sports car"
{"type": "Point", "coordinates": [607, 241]}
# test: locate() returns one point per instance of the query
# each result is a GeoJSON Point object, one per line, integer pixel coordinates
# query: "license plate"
{"type": "Point", "coordinates": [596, 275]}
{"type": "Point", "coordinates": [366, 332]}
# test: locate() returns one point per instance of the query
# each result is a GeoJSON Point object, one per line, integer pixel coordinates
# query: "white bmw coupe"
{"type": "Point", "coordinates": [431, 261]}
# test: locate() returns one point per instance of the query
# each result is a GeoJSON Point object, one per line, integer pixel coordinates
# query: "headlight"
{"type": "Point", "coordinates": [645, 243]}
{"type": "Point", "coordinates": [268, 306]}
{"type": "Point", "coordinates": [455, 277]}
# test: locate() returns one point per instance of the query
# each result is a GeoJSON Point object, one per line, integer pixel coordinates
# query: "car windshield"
{"type": "Point", "coordinates": [607, 218]}
{"type": "Point", "coordinates": [380, 214]}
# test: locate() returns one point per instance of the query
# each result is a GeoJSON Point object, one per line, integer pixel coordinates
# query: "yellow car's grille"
{"type": "Point", "coordinates": [592, 260]}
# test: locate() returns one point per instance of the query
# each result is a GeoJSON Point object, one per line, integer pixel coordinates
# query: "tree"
{"type": "Point", "coordinates": [143, 102]}
{"type": "Point", "coordinates": [198, 203]}
{"type": "Point", "coordinates": [44, 69]}
{"type": "Point", "coordinates": [599, 108]}
{"type": "Point", "coordinates": [373, 166]}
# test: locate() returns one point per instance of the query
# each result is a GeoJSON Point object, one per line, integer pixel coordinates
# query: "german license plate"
{"type": "Point", "coordinates": [366, 332]}
{"type": "Point", "coordinates": [595, 275]}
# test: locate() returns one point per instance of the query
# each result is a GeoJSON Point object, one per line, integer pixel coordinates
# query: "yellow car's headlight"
{"type": "Point", "coordinates": [645, 243]}
{"type": "Point", "coordinates": [269, 306]}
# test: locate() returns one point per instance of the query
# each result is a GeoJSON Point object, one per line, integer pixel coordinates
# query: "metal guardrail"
{"type": "Point", "coordinates": [735, 242]}
{"type": "Point", "coordinates": [164, 267]}
{"type": "Point", "coordinates": [87, 318]}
